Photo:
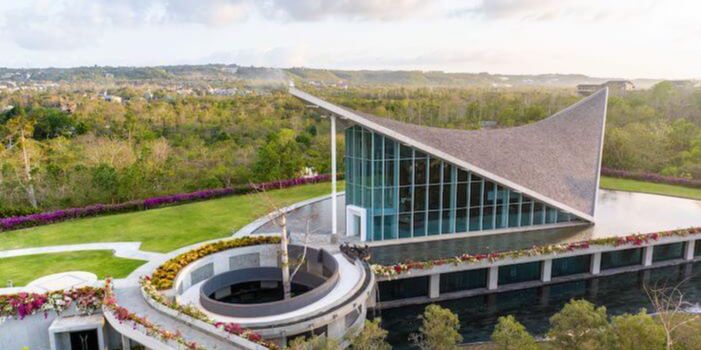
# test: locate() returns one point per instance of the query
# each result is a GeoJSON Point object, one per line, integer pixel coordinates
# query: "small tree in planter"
{"type": "Point", "coordinates": [439, 330]}
{"type": "Point", "coordinates": [578, 326]}
{"type": "Point", "coordinates": [509, 334]}
{"type": "Point", "coordinates": [372, 337]}
{"type": "Point", "coordinates": [636, 332]}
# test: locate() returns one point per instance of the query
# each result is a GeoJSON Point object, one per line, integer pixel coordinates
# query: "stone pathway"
{"type": "Point", "coordinates": [128, 250]}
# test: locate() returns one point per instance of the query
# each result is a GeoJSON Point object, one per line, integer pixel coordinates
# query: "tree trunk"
{"type": "Point", "coordinates": [27, 171]}
{"type": "Point", "coordinates": [285, 259]}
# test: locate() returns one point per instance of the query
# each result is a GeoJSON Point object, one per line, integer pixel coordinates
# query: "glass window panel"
{"type": "Point", "coordinates": [434, 197]}
{"type": "Point", "coordinates": [551, 216]}
{"type": "Point", "coordinates": [405, 199]}
{"type": "Point", "coordinates": [420, 198]}
{"type": "Point", "coordinates": [367, 173]}
{"type": "Point", "coordinates": [462, 175]}
{"type": "Point", "coordinates": [488, 217]}
{"type": "Point", "coordinates": [377, 198]}
{"type": "Point", "coordinates": [420, 175]}
{"type": "Point", "coordinates": [621, 258]}
{"type": "Point", "coordinates": [447, 192]}
{"type": "Point", "coordinates": [377, 173]}
{"type": "Point", "coordinates": [389, 198]}
{"type": "Point", "coordinates": [367, 197]}
{"type": "Point", "coordinates": [563, 216]}
{"type": "Point", "coordinates": [419, 155]}
{"type": "Point", "coordinates": [419, 223]}
{"type": "Point", "coordinates": [513, 215]}
{"type": "Point", "coordinates": [377, 228]}
{"type": "Point", "coordinates": [461, 223]}
{"type": "Point", "coordinates": [519, 273]}
{"type": "Point", "coordinates": [463, 280]}
{"type": "Point", "coordinates": [377, 146]}
{"type": "Point", "coordinates": [405, 225]}
{"type": "Point", "coordinates": [501, 195]}
{"type": "Point", "coordinates": [367, 145]}
{"type": "Point", "coordinates": [446, 223]}
{"type": "Point", "coordinates": [571, 265]}
{"type": "Point", "coordinates": [489, 193]}
{"type": "Point", "coordinates": [390, 226]}
{"type": "Point", "coordinates": [461, 199]}
{"type": "Point", "coordinates": [475, 219]}
{"type": "Point", "coordinates": [403, 288]}
{"type": "Point", "coordinates": [434, 218]}
{"type": "Point", "coordinates": [664, 252]}
{"type": "Point", "coordinates": [475, 194]}
{"type": "Point", "coordinates": [405, 152]}
{"type": "Point", "coordinates": [405, 172]}
{"type": "Point", "coordinates": [357, 143]}
{"type": "Point", "coordinates": [500, 217]}
{"type": "Point", "coordinates": [389, 148]}
{"type": "Point", "coordinates": [538, 213]}
{"type": "Point", "coordinates": [514, 197]}
{"type": "Point", "coordinates": [435, 171]}
{"type": "Point", "coordinates": [358, 195]}
{"type": "Point", "coordinates": [389, 173]}
{"type": "Point", "coordinates": [447, 172]}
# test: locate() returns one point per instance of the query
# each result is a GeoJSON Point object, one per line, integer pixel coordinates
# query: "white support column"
{"type": "Point", "coordinates": [493, 278]}
{"type": "Point", "coordinates": [595, 267]}
{"type": "Point", "coordinates": [546, 269]}
{"type": "Point", "coordinates": [689, 250]}
{"type": "Point", "coordinates": [647, 255]}
{"type": "Point", "coordinates": [334, 205]}
{"type": "Point", "coordinates": [126, 344]}
{"type": "Point", "coordinates": [434, 286]}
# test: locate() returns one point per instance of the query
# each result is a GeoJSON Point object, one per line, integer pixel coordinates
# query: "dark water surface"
{"type": "Point", "coordinates": [533, 307]}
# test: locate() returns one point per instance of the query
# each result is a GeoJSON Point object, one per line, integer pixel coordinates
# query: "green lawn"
{"type": "Point", "coordinates": [24, 269]}
{"type": "Point", "coordinates": [613, 183]}
{"type": "Point", "coordinates": [165, 229]}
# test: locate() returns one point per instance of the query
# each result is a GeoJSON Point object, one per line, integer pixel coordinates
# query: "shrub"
{"type": "Point", "coordinates": [372, 337]}
{"type": "Point", "coordinates": [509, 334]}
{"type": "Point", "coordinates": [636, 332]}
{"type": "Point", "coordinates": [439, 330]}
{"type": "Point", "coordinates": [164, 275]}
{"type": "Point", "coordinates": [651, 177]}
{"type": "Point", "coordinates": [579, 325]}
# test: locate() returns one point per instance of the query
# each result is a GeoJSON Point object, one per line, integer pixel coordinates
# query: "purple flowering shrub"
{"type": "Point", "coordinates": [651, 177]}
{"type": "Point", "coordinates": [22, 221]}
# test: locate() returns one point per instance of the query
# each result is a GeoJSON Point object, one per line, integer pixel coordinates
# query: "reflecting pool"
{"type": "Point", "coordinates": [533, 307]}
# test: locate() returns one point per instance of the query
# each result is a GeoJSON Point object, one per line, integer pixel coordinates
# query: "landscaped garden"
{"type": "Point", "coordinates": [621, 184]}
{"type": "Point", "coordinates": [24, 269]}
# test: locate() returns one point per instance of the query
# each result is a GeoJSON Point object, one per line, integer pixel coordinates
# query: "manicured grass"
{"type": "Point", "coordinates": [164, 229]}
{"type": "Point", "coordinates": [613, 183]}
{"type": "Point", "coordinates": [24, 269]}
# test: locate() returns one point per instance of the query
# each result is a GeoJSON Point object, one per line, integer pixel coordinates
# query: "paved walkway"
{"type": "Point", "coordinates": [128, 250]}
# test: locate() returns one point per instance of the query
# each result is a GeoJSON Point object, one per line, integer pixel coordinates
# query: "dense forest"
{"type": "Point", "coordinates": [71, 147]}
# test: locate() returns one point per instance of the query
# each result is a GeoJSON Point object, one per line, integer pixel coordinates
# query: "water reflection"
{"type": "Point", "coordinates": [619, 293]}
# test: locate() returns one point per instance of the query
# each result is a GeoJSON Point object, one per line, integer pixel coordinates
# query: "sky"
{"type": "Point", "coordinates": [603, 38]}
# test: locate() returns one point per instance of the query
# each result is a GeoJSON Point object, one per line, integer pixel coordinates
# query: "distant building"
{"type": "Point", "coordinates": [111, 98]}
{"type": "Point", "coordinates": [615, 87]}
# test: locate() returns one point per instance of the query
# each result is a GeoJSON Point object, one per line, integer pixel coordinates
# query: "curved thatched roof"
{"type": "Point", "coordinates": [556, 160]}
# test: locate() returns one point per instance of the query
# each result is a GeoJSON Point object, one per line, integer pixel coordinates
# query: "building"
{"type": "Point", "coordinates": [615, 87]}
{"type": "Point", "coordinates": [406, 181]}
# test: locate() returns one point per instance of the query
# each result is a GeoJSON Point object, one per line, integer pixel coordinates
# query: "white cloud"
{"type": "Point", "coordinates": [545, 10]}
{"type": "Point", "coordinates": [312, 10]}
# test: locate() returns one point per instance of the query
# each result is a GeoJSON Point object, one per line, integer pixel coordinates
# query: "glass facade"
{"type": "Point", "coordinates": [519, 273]}
{"type": "Point", "coordinates": [571, 265]}
{"type": "Point", "coordinates": [403, 288]}
{"type": "Point", "coordinates": [408, 193]}
{"type": "Point", "coordinates": [621, 258]}
{"type": "Point", "coordinates": [463, 280]}
{"type": "Point", "coordinates": [666, 252]}
{"type": "Point", "coordinates": [697, 247]}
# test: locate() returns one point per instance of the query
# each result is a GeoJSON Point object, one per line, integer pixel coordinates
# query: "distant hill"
{"type": "Point", "coordinates": [221, 72]}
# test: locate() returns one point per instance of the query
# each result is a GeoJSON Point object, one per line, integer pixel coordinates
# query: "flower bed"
{"type": "Point", "coordinates": [231, 328]}
{"type": "Point", "coordinates": [122, 314]}
{"type": "Point", "coordinates": [87, 300]}
{"type": "Point", "coordinates": [635, 240]}
{"type": "Point", "coordinates": [16, 222]}
{"type": "Point", "coordinates": [651, 177]}
{"type": "Point", "coordinates": [165, 274]}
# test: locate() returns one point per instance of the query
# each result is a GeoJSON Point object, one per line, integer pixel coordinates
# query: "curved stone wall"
{"type": "Point", "coordinates": [320, 285]}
